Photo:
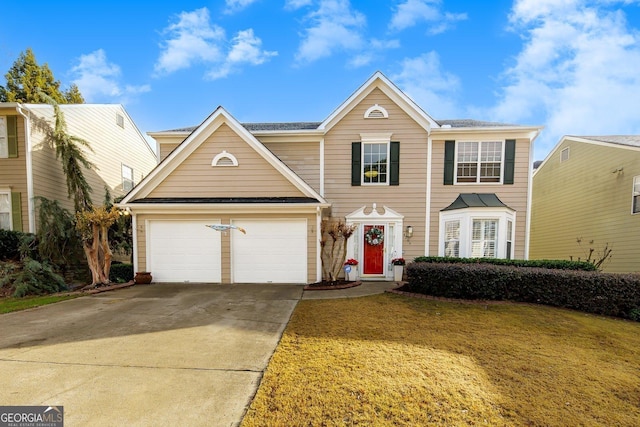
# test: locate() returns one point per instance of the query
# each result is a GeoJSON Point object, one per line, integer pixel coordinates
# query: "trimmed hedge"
{"type": "Point", "coordinates": [121, 272]}
{"type": "Point", "coordinates": [592, 292]}
{"type": "Point", "coordinates": [558, 264]}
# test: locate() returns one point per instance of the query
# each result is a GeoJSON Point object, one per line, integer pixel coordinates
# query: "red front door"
{"type": "Point", "coordinates": [373, 250]}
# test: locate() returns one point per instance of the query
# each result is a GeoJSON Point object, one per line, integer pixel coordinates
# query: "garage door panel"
{"type": "Point", "coordinates": [184, 251]}
{"type": "Point", "coordinates": [271, 251]}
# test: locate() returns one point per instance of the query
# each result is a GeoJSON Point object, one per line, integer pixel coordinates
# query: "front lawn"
{"type": "Point", "coordinates": [395, 360]}
{"type": "Point", "coordinates": [9, 304]}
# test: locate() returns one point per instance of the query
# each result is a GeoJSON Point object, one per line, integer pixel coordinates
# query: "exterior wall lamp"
{"type": "Point", "coordinates": [408, 232]}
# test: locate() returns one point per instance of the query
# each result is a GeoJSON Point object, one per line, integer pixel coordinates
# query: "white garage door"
{"type": "Point", "coordinates": [184, 251]}
{"type": "Point", "coordinates": [272, 251]}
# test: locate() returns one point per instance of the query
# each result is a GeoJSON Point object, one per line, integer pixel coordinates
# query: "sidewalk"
{"type": "Point", "coordinates": [366, 288]}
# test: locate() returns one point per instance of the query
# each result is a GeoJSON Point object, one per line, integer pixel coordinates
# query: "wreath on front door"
{"type": "Point", "coordinates": [374, 236]}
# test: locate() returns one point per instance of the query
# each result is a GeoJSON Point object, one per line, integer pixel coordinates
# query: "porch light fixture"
{"type": "Point", "coordinates": [408, 232]}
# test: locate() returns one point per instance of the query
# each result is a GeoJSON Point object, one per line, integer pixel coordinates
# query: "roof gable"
{"type": "Point", "coordinates": [218, 131]}
{"type": "Point", "coordinates": [380, 81]}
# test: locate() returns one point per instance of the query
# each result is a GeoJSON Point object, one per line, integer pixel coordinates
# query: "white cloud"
{"type": "Point", "coordinates": [191, 39]}
{"type": "Point", "coordinates": [237, 5]}
{"type": "Point", "coordinates": [334, 26]}
{"type": "Point", "coordinates": [423, 79]}
{"type": "Point", "coordinates": [297, 4]}
{"type": "Point", "coordinates": [245, 48]}
{"type": "Point", "coordinates": [578, 69]}
{"type": "Point", "coordinates": [411, 12]}
{"type": "Point", "coordinates": [98, 80]}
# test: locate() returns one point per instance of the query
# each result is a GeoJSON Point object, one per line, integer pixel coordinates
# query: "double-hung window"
{"type": "Point", "coordinates": [636, 195]}
{"type": "Point", "coordinates": [4, 140]}
{"type": "Point", "coordinates": [5, 210]}
{"type": "Point", "coordinates": [375, 160]}
{"type": "Point", "coordinates": [127, 178]}
{"type": "Point", "coordinates": [484, 238]}
{"type": "Point", "coordinates": [479, 161]}
{"type": "Point", "coordinates": [452, 238]}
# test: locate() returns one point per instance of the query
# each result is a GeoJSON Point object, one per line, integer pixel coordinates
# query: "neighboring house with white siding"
{"type": "Point", "coordinates": [588, 188]}
{"type": "Point", "coordinates": [29, 168]}
{"type": "Point", "coordinates": [379, 162]}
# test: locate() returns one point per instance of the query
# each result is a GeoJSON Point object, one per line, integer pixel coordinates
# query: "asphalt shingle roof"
{"type": "Point", "coordinates": [630, 140]}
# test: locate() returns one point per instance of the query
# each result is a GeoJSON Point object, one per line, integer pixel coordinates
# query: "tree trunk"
{"type": "Point", "coordinates": [107, 254]}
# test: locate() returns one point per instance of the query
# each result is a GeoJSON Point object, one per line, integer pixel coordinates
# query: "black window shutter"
{"type": "Point", "coordinates": [356, 163]}
{"type": "Point", "coordinates": [16, 211]}
{"type": "Point", "coordinates": [12, 135]}
{"type": "Point", "coordinates": [449, 161]}
{"type": "Point", "coordinates": [394, 164]}
{"type": "Point", "coordinates": [509, 161]}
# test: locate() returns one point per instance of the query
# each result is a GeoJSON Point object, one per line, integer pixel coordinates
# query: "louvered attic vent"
{"type": "Point", "coordinates": [376, 112]}
{"type": "Point", "coordinates": [224, 159]}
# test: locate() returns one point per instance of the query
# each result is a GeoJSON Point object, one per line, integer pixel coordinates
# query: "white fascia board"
{"type": "Point", "coordinates": [380, 81]}
{"type": "Point", "coordinates": [189, 208]}
{"type": "Point", "coordinates": [529, 132]}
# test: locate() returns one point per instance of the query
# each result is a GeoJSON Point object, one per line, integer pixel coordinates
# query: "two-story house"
{"type": "Point", "coordinates": [410, 184]}
{"type": "Point", "coordinates": [586, 195]}
{"type": "Point", "coordinates": [28, 166]}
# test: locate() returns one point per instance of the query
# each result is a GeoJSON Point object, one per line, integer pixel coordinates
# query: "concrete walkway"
{"type": "Point", "coordinates": [164, 354]}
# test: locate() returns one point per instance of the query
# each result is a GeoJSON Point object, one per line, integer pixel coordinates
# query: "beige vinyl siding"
{"type": "Point", "coordinates": [312, 237]}
{"type": "Point", "coordinates": [111, 147]}
{"type": "Point", "coordinates": [514, 196]}
{"type": "Point", "coordinates": [303, 158]}
{"type": "Point", "coordinates": [408, 198]}
{"type": "Point", "coordinates": [166, 149]}
{"type": "Point", "coordinates": [583, 198]}
{"type": "Point", "coordinates": [13, 171]}
{"type": "Point", "coordinates": [253, 177]}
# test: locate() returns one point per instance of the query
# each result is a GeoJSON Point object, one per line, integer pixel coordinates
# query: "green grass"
{"type": "Point", "coordinates": [8, 305]}
{"type": "Point", "coordinates": [395, 360]}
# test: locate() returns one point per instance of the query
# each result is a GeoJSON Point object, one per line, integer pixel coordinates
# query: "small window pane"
{"type": "Point", "coordinates": [4, 142]}
{"type": "Point", "coordinates": [5, 211]}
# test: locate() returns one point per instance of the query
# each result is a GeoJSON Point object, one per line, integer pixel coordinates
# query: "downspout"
{"type": "Point", "coordinates": [318, 246]}
{"type": "Point", "coordinates": [427, 225]}
{"type": "Point", "coordinates": [29, 164]}
{"type": "Point", "coordinates": [134, 235]}
{"type": "Point", "coordinates": [527, 230]}
{"type": "Point", "coordinates": [322, 167]}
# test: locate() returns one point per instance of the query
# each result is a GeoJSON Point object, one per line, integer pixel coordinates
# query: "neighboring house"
{"type": "Point", "coordinates": [588, 188]}
{"type": "Point", "coordinates": [427, 187]}
{"type": "Point", "coordinates": [28, 167]}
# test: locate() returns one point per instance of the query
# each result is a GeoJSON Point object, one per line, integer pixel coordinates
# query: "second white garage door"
{"type": "Point", "coordinates": [183, 251]}
{"type": "Point", "coordinates": [272, 251]}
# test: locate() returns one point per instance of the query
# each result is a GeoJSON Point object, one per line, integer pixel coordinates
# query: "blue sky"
{"type": "Point", "coordinates": [572, 66]}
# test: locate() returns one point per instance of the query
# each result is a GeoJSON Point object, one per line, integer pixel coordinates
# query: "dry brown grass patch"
{"type": "Point", "coordinates": [392, 360]}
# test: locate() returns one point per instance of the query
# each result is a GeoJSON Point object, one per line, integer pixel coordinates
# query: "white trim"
{"type": "Point", "coordinates": [380, 81]}
{"type": "Point", "coordinates": [224, 154]}
{"type": "Point", "coordinates": [7, 191]}
{"type": "Point", "coordinates": [322, 165]}
{"type": "Point", "coordinates": [187, 208]}
{"type": "Point", "coordinates": [377, 108]}
{"type": "Point", "coordinates": [427, 234]}
{"type": "Point", "coordinates": [219, 117]}
{"type": "Point", "coordinates": [29, 163]}
{"type": "Point", "coordinates": [318, 245]}
{"type": "Point", "coordinates": [479, 162]}
{"type": "Point", "coordinates": [134, 235]}
{"type": "Point", "coordinates": [527, 220]}
{"type": "Point", "coordinates": [375, 138]}
{"type": "Point", "coordinates": [466, 218]}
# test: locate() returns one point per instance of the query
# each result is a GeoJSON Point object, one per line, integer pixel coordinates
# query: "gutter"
{"type": "Point", "coordinates": [29, 163]}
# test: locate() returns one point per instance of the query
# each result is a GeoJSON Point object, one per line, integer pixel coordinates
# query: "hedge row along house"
{"type": "Point", "coordinates": [29, 168]}
{"type": "Point", "coordinates": [411, 185]}
{"type": "Point", "coordinates": [586, 195]}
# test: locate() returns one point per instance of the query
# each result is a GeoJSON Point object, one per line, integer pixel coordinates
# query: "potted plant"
{"type": "Point", "coordinates": [351, 269]}
{"type": "Point", "coordinates": [398, 268]}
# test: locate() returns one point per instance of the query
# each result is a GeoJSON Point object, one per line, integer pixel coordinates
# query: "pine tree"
{"type": "Point", "coordinates": [27, 81]}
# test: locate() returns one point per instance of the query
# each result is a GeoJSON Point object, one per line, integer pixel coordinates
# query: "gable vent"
{"type": "Point", "coordinates": [376, 112]}
{"type": "Point", "coordinates": [224, 159]}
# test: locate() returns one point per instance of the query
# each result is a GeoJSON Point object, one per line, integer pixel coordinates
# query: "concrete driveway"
{"type": "Point", "coordinates": [183, 354]}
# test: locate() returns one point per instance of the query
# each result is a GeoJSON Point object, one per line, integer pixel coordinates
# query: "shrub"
{"type": "Point", "coordinates": [592, 292]}
{"type": "Point", "coordinates": [121, 272]}
{"type": "Point", "coordinates": [559, 264]}
{"type": "Point", "coordinates": [35, 278]}
{"type": "Point", "coordinates": [10, 244]}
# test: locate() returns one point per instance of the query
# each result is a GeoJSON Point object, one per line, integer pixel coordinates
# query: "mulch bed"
{"type": "Point", "coordinates": [328, 286]}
